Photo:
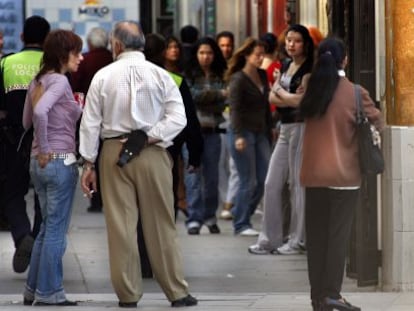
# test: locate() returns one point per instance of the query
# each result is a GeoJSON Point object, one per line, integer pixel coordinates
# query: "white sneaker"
{"type": "Point", "coordinates": [226, 215]}
{"type": "Point", "coordinates": [286, 249]}
{"type": "Point", "coordinates": [257, 249]}
{"type": "Point", "coordinates": [248, 232]}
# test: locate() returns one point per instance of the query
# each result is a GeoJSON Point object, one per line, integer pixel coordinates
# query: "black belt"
{"type": "Point", "coordinates": [212, 130]}
{"type": "Point", "coordinates": [123, 136]}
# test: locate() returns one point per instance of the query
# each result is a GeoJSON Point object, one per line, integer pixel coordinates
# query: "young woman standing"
{"type": "Point", "coordinates": [287, 91]}
{"type": "Point", "coordinates": [52, 110]}
{"type": "Point", "coordinates": [330, 171]}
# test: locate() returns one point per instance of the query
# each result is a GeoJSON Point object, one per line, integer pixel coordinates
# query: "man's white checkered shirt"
{"type": "Point", "coordinates": [129, 94]}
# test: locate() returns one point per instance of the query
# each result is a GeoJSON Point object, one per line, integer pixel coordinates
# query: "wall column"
{"type": "Point", "coordinates": [398, 179]}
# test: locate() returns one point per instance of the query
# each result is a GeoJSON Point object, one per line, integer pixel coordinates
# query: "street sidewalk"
{"type": "Point", "coordinates": [225, 302]}
{"type": "Point", "coordinates": [220, 272]}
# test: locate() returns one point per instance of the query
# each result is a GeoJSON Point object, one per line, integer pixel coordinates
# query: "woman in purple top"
{"type": "Point", "coordinates": [52, 110]}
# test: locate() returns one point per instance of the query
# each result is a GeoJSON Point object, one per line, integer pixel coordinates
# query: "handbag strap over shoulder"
{"type": "Point", "coordinates": [360, 115]}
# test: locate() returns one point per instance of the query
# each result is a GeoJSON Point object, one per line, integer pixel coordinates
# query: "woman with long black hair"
{"type": "Point", "coordinates": [330, 171]}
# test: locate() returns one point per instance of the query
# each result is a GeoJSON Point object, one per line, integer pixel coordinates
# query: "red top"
{"type": "Point", "coordinates": [92, 62]}
{"type": "Point", "coordinates": [269, 72]}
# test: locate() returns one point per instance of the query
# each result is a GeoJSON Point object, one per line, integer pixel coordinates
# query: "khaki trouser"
{"type": "Point", "coordinates": [143, 187]}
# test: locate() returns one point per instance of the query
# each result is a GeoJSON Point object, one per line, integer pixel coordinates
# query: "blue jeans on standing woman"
{"type": "Point", "coordinates": [251, 164]}
{"type": "Point", "coordinates": [55, 185]}
{"type": "Point", "coordinates": [202, 185]}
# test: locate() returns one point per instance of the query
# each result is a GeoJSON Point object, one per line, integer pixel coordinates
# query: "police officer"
{"type": "Point", "coordinates": [16, 72]}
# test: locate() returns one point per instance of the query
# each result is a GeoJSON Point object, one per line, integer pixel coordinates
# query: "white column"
{"type": "Point", "coordinates": [308, 12]}
{"type": "Point", "coordinates": [398, 210]}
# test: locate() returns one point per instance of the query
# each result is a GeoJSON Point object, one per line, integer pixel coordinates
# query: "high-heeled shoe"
{"type": "Point", "coordinates": [330, 304]}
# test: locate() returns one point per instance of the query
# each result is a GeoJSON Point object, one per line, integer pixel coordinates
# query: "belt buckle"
{"type": "Point", "coordinates": [54, 156]}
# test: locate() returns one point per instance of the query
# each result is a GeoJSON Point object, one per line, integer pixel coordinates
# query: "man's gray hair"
{"type": "Point", "coordinates": [130, 34]}
{"type": "Point", "coordinates": [97, 38]}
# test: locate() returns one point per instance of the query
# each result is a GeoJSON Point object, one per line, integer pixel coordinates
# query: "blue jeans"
{"type": "Point", "coordinates": [55, 185]}
{"type": "Point", "coordinates": [251, 164]}
{"type": "Point", "coordinates": [202, 185]}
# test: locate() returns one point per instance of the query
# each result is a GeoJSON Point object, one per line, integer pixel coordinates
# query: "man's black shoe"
{"type": "Point", "coordinates": [27, 302]}
{"type": "Point", "coordinates": [187, 301]}
{"type": "Point", "coordinates": [128, 304]}
{"type": "Point", "coordinates": [94, 209]}
{"type": "Point", "coordinates": [66, 303]}
{"type": "Point", "coordinates": [21, 257]}
{"type": "Point", "coordinates": [214, 229]}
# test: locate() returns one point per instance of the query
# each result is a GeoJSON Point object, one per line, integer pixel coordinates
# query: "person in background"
{"type": "Point", "coordinates": [172, 56]}
{"type": "Point", "coordinates": [225, 41]}
{"type": "Point", "coordinates": [316, 35]}
{"type": "Point", "coordinates": [172, 62]}
{"type": "Point", "coordinates": [53, 112]}
{"type": "Point", "coordinates": [249, 130]}
{"type": "Point", "coordinates": [330, 171]}
{"type": "Point", "coordinates": [204, 76]}
{"type": "Point", "coordinates": [189, 35]}
{"type": "Point", "coordinates": [286, 158]}
{"type": "Point", "coordinates": [270, 61]}
{"type": "Point", "coordinates": [142, 104]}
{"type": "Point", "coordinates": [98, 56]}
{"type": "Point", "coordinates": [271, 64]}
{"type": "Point", "coordinates": [14, 182]}
{"type": "Point", "coordinates": [154, 51]}
{"type": "Point", "coordinates": [228, 178]}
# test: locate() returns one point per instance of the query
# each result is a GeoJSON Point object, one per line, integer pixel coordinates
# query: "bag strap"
{"type": "Point", "coordinates": [360, 115]}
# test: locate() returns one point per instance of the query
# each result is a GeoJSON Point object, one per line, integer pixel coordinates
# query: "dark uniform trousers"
{"type": "Point", "coordinates": [13, 188]}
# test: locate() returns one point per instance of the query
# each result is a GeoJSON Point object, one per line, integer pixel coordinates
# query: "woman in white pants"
{"type": "Point", "coordinates": [286, 158]}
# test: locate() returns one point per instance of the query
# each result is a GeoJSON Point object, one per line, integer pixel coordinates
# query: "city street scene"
{"type": "Point", "coordinates": [211, 155]}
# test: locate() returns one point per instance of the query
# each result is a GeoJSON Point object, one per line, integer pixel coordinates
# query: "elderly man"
{"type": "Point", "coordinates": [136, 109]}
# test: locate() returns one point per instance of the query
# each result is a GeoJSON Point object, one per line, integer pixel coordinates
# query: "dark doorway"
{"type": "Point", "coordinates": [354, 21]}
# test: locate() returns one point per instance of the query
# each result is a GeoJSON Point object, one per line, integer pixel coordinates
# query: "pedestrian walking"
{"type": "Point", "coordinates": [140, 114]}
{"type": "Point", "coordinates": [51, 109]}
{"type": "Point", "coordinates": [204, 75]}
{"type": "Point", "coordinates": [249, 131]}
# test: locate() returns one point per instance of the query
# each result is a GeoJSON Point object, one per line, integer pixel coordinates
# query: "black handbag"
{"type": "Point", "coordinates": [371, 161]}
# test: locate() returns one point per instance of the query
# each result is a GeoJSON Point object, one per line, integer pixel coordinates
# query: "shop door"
{"type": "Point", "coordinates": [354, 21]}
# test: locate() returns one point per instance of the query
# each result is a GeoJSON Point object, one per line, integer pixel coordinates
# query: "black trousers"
{"type": "Point", "coordinates": [13, 189]}
{"type": "Point", "coordinates": [329, 216]}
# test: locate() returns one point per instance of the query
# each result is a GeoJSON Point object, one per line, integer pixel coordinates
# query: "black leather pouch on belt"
{"type": "Point", "coordinates": [136, 141]}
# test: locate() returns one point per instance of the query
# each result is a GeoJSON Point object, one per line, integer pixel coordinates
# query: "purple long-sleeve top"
{"type": "Point", "coordinates": [54, 116]}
